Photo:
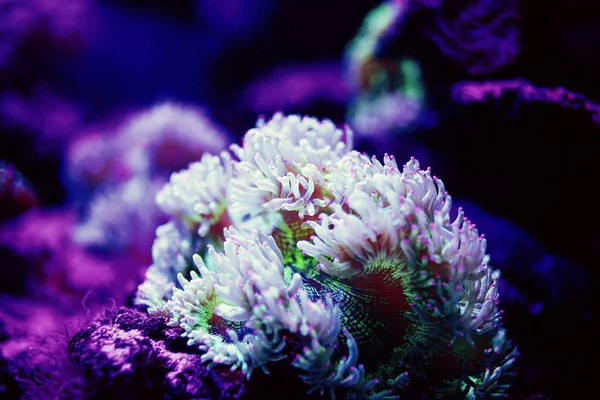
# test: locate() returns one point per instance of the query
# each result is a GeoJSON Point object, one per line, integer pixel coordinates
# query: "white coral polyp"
{"type": "Point", "coordinates": [189, 308]}
{"type": "Point", "coordinates": [195, 198]}
{"type": "Point", "coordinates": [389, 207]}
{"type": "Point", "coordinates": [154, 291]}
{"type": "Point", "coordinates": [169, 252]}
{"type": "Point", "coordinates": [282, 166]}
{"type": "Point", "coordinates": [389, 212]}
{"type": "Point", "coordinates": [350, 170]}
{"type": "Point", "coordinates": [197, 194]}
{"type": "Point", "coordinates": [169, 248]}
{"type": "Point", "coordinates": [344, 242]}
{"type": "Point", "coordinates": [384, 212]}
{"type": "Point", "coordinates": [479, 305]}
{"type": "Point", "coordinates": [246, 283]}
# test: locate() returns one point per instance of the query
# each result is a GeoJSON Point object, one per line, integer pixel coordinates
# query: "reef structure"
{"type": "Point", "coordinates": [357, 273]}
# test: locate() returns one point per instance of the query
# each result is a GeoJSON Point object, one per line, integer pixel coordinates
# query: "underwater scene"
{"type": "Point", "coordinates": [299, 199]}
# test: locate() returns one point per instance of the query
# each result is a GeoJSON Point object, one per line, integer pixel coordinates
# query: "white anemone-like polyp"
{"type": "Point", "coordinates": [190, 309]}
{"type": "Point", "coordinates": [404, 215]}
{"type": "Point", "coordinates": [169, 252]}
{"type": "Point", "coordinates": [197, 194]}
{"type": "Point", "coordinates": [154, 291]}
{"type": "Point", "coordinates": [479, 305]}
{"type": "Point", "coordinates": [169, 247]}
{"type": "Point", "coordinates": [195, 294]}
{"type": "Point", "coordinates": [387, 212]}
{"type": "Point", "coordinates": [246, 284]}
{"type": "Point", "coordinates": [282, 166]}
{"type": "Point", "coordinates": [345, 242]}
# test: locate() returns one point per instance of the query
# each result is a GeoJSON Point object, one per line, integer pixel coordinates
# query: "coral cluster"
{"type": "Point", "coordinates": [128, 168]}
{"type": "Point", "coordinates": [356, 271]}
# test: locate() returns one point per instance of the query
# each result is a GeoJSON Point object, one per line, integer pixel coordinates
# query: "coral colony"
{"type": "Point", "coordinates": [353, 270]}
{"type": "Point", "coordinates": [149, 145]}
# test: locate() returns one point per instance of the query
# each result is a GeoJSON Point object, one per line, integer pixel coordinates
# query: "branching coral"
{"type": "Point", "coordinates": [350, 268]}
